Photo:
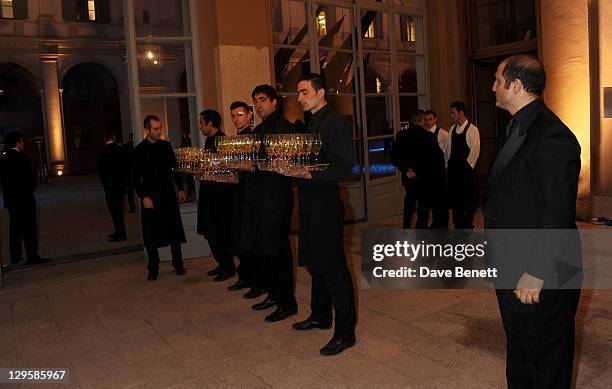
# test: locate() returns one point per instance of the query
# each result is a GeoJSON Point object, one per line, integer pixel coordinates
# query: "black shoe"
{"type": "Point", "coordinates": [16, 260]}
{"type": "Point", "coordinates": [237, 286]}
{"type": "Point", "coordinates": [337, 345]}
{"type": "Point", "coordinates": [310, 324]}
{"type": "Point", "coordinates": [152, 276]}
{"type": "Point", "coordinates": [254, 293]}
{"type": "Point", "coordinates": [37, 260]}
{"type": "Point", "coordinates": [179, 270]}
{"type": "Point", "coordinates": [281, 314]}
{"type": "Point", "coordinates": [214, 271]}
{"type": "Point", "coordinates": [222, 277]}
{"type": "Point", "coordinates": [267, 303]}
{"type": "Point", "coordinates": [117, 238]}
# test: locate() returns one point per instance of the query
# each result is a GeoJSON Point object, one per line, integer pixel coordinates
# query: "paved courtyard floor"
{"type": "Point", "coordinates": [101, 319]}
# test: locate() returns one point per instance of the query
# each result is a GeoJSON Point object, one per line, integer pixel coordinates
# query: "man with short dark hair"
{"type": "Point", "coordinates": [462, 178]}
{"type": "Point", "coordinates": [533, 184]}
{"type": "Point", "coordinates": [18, 186]}
{"type": "Point", "coordinates": [214, 205]}
{"type": "Point", "coordinates": [437, 192]}
{"type": "Point", "coordinates": [268, 204]}
{"type": "Point", "coordinates": [111, 171]}
{"type": "Point", "coordinates": [320, 240]}
{"type": "Point", "coordinates": [153, 175]}
{"type": "Point", "coordinates": [241, 117]}
{"type": "Point", "coordinates": [413, 149]}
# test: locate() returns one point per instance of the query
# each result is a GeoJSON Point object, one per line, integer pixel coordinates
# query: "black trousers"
{"type": "Point", "coordinates": [153, 254]}
{"type": "Point", "coordinates": [540, 338]}
{"type": "Point", "coordinates": [130, 195]}
{"type": "Point", "coordinates": [439, 204]}
{"type": "Point", "coordinates": [246, 269]}
{"type": "Point", "coordinates": [415, 199]}
{"type": "Point", "coordinates": [463, 192]}
{"type": "Point", "coordinates": [334, 289]}
{"type": "Point", "coordinates": [22, 227]}
{"type": "Point", "coordinates": [276, 274]}
{"type": "Point", "coordinates": [222, 254]}
{"type": "Point", "coordinates": [114, 202]}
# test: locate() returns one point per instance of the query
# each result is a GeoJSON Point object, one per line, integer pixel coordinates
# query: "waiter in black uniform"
{"type": "Point", "coordinates": [462, 178]}
{"type": "Point", "coordinates": [111, 171]}
{"type": "Point", "coordinates": [153, 165]}
{"type": "Point", "coordinates": [321, 226]}
{"type": "Point", "coordinates": [214, 205]}
{"type": "Point", "coordinates": [18, 186]}
{"type": "Point", "coordinates": [241, 117]}
{"type": "Point", "coordinates": [266, 221]}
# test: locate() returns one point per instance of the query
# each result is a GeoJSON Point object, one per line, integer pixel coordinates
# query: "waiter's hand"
{"type": "Point", "coordinates": [147, 202]}
{"type": "Point", "coordinates": [528, 289]}
{"type": "Point", "coordinates": [301, 173]}
{"type": "Point", "coordinates": [181, 196]}
{"type": "Point", "coordinates": [411, 174]}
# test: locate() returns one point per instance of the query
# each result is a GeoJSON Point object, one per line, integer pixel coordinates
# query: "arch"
{"type": "Point", "coordinates": [21, 108]}
{"type": "Point", "coordinates": [71, 62]}
{"type": "Point", "coordinates": [91, 107]}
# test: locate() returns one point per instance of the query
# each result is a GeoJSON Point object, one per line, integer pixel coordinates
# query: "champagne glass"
{"type": "Point", "coordinates": [316, 147]}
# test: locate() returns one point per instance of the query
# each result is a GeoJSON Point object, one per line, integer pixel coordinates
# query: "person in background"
{"type": "Point", "coordinates": [111, 171]}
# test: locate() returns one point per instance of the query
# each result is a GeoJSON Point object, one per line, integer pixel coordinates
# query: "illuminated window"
{"type": "Point", "coordinates": [378, 85]}
{"type": "Point", "coordinates": [322, 23]}
{"type": "Point", "coordinates": [91, 10]}
{"type": "Point", "coordinates": [7, 9]}
{"type": "Point", "coordinates": [410, 30]}
{"type": "Point", "coordinates": [371, 33]}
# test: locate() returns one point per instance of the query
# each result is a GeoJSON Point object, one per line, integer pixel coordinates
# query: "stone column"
{"type": "Point", "coordinates": [235, 54]}
{"type": "Point", "coordinates": [564, 49]}
{"type": "Point", "coordinates": [53, 114]}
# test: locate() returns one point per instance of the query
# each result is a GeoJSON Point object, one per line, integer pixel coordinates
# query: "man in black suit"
{"type": "Point", "coordinates": [321, 239]}
{"type": "Point", "coordinates": [18, 185]}
{"type": "Point", "coordinates": [154, 181]}
{"type": "Point", "coordinates": [214, 205]}
{"type": "Point", "coordinates": [111, 170]}
{"type": "Point", "coordinates": [533, 184]}
{"type": "Point", "coordinates": [413, 154]}
{"type": "Point", "coordinates": [266, 221]}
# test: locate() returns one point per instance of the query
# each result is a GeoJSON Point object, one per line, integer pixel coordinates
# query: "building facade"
{"type": "Point", "coordinates": [72, 70]}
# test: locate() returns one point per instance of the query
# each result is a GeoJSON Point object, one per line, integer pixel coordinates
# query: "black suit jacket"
{"type": "Point", "coordinates": [415, 148]}
{"type": "Point", "coordinates": [18, 179]}
{"type": "Point", "coordinates": [533, 185]}
{"type": "Point", "coordinates": [113, 168]}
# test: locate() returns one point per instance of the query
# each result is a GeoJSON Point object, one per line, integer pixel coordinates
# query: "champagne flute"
{"type": "Point", "coordinates": [316, 147]}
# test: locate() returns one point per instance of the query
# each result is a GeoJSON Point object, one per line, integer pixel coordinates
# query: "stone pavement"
{"type": "Point", "coordinates": [113, 329]}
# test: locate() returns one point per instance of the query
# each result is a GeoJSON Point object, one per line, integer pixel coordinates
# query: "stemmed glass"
{"type": "Point", "coordinates": [316, 147]}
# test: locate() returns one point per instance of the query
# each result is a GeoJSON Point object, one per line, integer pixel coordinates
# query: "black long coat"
{"type": "Point", "coordinates": [238, 204]}
{"type": "Point", "coordinates": [321, 224]}
{"type": "Point", "coordinates": [268, 200]}
{"type": "Point", "coordinates": [215, 208]}
{"type": "Point", "coordinates": [533, 184]}
{"type": "Point", "coordinates": [153, 177]}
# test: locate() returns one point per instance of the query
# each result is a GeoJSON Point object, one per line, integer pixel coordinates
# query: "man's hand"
{"type": "Point", "coordinates": [528, 289]}
{"type": "Point", "coordinates": [181, 196]}
{"type": "Point", "coordinates": [301, 173]}
{"type": "Point", "coordinates": [411, 174]}
{"type": "Point", "coordinates": [147, 202]}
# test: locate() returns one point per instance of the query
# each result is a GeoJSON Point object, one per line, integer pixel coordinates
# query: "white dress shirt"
{"type": "Point", "coordinates": [443, 142]}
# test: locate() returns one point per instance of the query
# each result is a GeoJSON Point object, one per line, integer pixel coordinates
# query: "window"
{"type": "Point", "coordinates": [371, 32]}
{"type": "Point", "coordinates": [78, 90]}
{"type": "Point", "coordinates": [410, 30]}
{"type": "Point", "coordinates": [7, 9]}
{"type": "Point", "coordinates": [322, 23]}
{"type": "Point", "coordinates": [146, 17]}
{"type": "Point", "coordinates": [91, 10]}
{"type": "Point", "coordinates": [82, 136]}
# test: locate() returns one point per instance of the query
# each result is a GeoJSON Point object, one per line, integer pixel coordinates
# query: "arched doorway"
{"type": "Point", "coordinates": [91, 108]}
{"type": "Point", "coordinates": [21, 110]}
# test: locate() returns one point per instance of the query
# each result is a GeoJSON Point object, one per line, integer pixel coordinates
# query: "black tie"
{"type": "Point", "coordinates": [510, 129]}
